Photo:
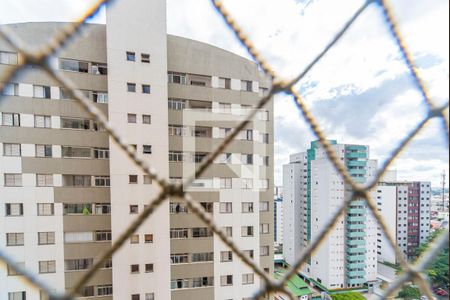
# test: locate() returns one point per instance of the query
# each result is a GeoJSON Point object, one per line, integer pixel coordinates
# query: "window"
{"type": "Point", "coordinates": [145, 58]}
{"type": "Point", "coordinates": [134, 239]}
{"type": "Point", "coordinates": [226, 280]}
{"type": "Point", "coordinates": [248, 278]}
{"type": "Point", "coordinates": [264, 250]}
{"type": "Point", "coordinates": [226, 256]}
{"type": "Point", "coordinates": [11, 149]}
{"type": "Point", "coordinates": [203, 257]}
{"type": "Point", "coordinates": [199, 282]}
{"type": "Point", "coordinates": [226, 207]}
{"type": "Point", "coordinates": [263, 92]}
{"type": "Point", "coordinates": [101, 153]}
{"type": "Point", "coordinates": [131, 56]}
{"type": "Point", "coordinates": [44, 180]}
{"type": "Point", "coordinates": [146, 119]}
{"type": "Point", "coordinates": [135, 297]}
{"type": "Point", "coordinates": [225, 83]}
{"type": "Point", "coordinates": [226, 183]}
{"type": "Point", "coordinates": [13, 209]}
{"type": "Point", "coordinates": [247, 207]}
{"type": "Point", "coordinates": [179, 284]}
{"type": "Point", "coordinates": [134, 269]}
{"type": "Point", "coordinates": [45, 209]}
{"type": "Point", "coordinates": [249, 253]}
{"type": "Point", "coordinates": [131, 87]}
{"type": "Point", "coordinates": [176, 208]}
{"type": "Point", "coordinates": [177, 78]}
{"type": "Point", "coordinates": [146, 89]}
{"type": "Point", "coordinates": [148, 268]}
{"type": "Point", "coordinates": [102, 209]}
{"type": "Point", "coordinates": [228, 230]}
{"type": "Point", "coordinates": [100, 97]}
{"type": "Point", "coordinates": [147, 179]}
{"type": "Point", "coordinates": [78, 237]}
{"type": "Point", "coordinates": [179, 233]}
{"type": "Point", "coordinates": [44, 151]}
{"type": "Point", "coordinates": [99, 69]}
{"type": "Point", "coordinates": [12, 272]}
{"type": "Point", "coordinates": [264, 228]}
{"type": "Point", "coordinates": [246, 231]}
{"type": "Point", "coordinates": [264, 138]}
{"type": "Point", "coordinates": [10, 119]}
{"type": "Point", "coordinates": [247, 159]}
{"type": "Point", "coordinates": [249, 135]}
{"type": "Point", "coordinates": [201, 232]}
{"type": "Point", "coordinates": [179, 258]}
{"type": "Point", "coordinates": [104, 290]}
{"type": "Point", "coordinates": [225, 108]}
{"type": "Point", "coordinates": [77, 180]}
{"type": "Point", "coordinates": [46, 238]}
{"type": "Point", "coordinates": [148, 238]}
{"type": "Point", "coordinates": [75, 152]}
{"type": "Point", "coordinates": [48, 266]}
{"type": "Point", "coordinates": [101, 181]}
{"type": "Point", "coordinates": [247, 183]}
{"type": "Point", "coordinates": [73, 65]}
{"type": "Point", "coordinates": [15, 239]}
{"type": "Point", "coordinates": [13, 179]}
{"type": "Point", "coordinates": [246, 85]}
{"type": "Point", "coordinates": [264, 184]}
{"type": "Point", "coordinates": [8, 58]}
{"type": "Point", "coordinates": [266, 160]}
{"type": "Point", "coordinates": [42, 122]}
{"type": "Point", "coordinates": [176, 104]}
{"type": "Point", "coordinates": [11, 89]}
{"type": "Point", "coordinates": [264, 206]}
{"type": "Point", "coordinates": [132, 118]}
{"type": "Point", "coordinates": [79, 124]}
{"type": "Point", "coordinates": [208, 206]}
{"type": "Point", "coordinates": [134, 209]}
{"type": "Point", "coordinates": [147, 149]}
{"type": "Point", "coordinates": [176, 156]}
{"type": "Point", "coordinates": [103, 235]}
{"type": "Point", "coordinates": [41, 91]}
{"type": "Point", "coordinates": [78, 264]}
{"type": "Point", "coordinates": [17, 295]}
{"type": "Point", "coordinates": [149, 296]}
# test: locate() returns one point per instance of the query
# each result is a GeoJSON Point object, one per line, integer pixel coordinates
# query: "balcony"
{"type": "Point", "coordinates": [356, 234]}
{"type": "Point", "coordinates": [356, 226]}
{"type": "Point", "coordinates": [356, 242]}
{"type": "Point", "coordinates": [356, 265]}
{"type": "Point", "coordinates": [356, 219]}
{"type": "Point", "coordinates": [356, 163]}
{"type": "Point", "coordinates": [355, 273]}
{"type": "Point", "coordinates": [353, 171]}
{"type": "Point", "coordinates": [356, 155]}
{"type": "Point", "coordinates": [357, 281]}
{"type": "Point", "coordinates": [355, 258]}
{"type": "Point", "coordinates": [358, 251]}
{"type": "Point", "coordinates": [356, 210]}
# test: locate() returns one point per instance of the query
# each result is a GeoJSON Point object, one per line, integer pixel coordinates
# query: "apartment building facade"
{"type": "Point", "coordinates": [405, 207]}
{"type": "Point", "coordinates": [313, 192]}
{"type": "Point", "coordinates": [68, 191]}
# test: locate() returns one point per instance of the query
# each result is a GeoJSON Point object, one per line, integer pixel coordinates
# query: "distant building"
{"type": "Point", "coordinates": [278, 221]}
{"type": "Point", "coordinates": [313, 192]}
{"type": "Point", "coordinates": [405, 207]}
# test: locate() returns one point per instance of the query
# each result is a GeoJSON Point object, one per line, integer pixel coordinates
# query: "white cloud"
{"type": "Point", "coordinates": [289, 33]}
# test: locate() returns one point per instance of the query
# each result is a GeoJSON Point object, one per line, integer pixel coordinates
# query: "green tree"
{"type": "Point", "coordinates": [409, 292]}
{"type": "Point", "coordinates": [438, 269]}
{"type": "Point", "coordinates": [348, 296]}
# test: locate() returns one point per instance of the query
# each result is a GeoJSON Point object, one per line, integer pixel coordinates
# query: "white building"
{"type": "Point", "coordinates": [313, 191]}
{"type": "Point", "coordinates": [278, 221]}
{"type": "Point", "coordinates": [405, 207]}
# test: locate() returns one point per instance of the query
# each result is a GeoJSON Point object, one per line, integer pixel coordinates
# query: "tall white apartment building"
{"type": "Point", "coordinates": [68, 191]}
{"type": "Point", "coordinates": [313, 191]}
{"type": "Point", "coordinates": [405, 207]}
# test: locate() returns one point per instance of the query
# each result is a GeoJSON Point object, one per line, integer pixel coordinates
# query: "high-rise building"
{"type": "Point", "coordinates": [405, 207]}
{"type": "Point", "coordinates": [68, 191]}
{"type": "Point", "coordinates": [278, 221]}
{"type": "Point", "coordinates": [313, 192]}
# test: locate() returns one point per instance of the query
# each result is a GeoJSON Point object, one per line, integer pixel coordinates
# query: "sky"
{"type": "Point", "coordinates": [360, 92]}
